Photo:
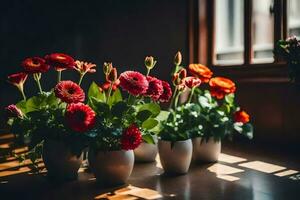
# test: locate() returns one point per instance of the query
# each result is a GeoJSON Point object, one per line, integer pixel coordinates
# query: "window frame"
{"type": "Point", "coordinates": [202, 42]}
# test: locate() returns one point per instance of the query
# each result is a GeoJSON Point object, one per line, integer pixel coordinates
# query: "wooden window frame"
{"type": "Point", "coordinates": [202, 42]}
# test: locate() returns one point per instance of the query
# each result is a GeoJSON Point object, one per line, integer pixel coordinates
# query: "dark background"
{"type": "Point", "coordinates": [121, 31]}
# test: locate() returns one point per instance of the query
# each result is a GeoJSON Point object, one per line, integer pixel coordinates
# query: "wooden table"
{"type": "Point", "coordinates": [240, 174]}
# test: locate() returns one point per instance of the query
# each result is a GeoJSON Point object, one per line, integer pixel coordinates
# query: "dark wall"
{"type": "Point", "coordinates": [121, 31]}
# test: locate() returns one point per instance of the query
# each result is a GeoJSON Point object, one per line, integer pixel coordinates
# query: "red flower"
{"type": "Point", "coordinates": [179, 76]}
{"type": "Point", "coordinates": [219, 87]}
{"type": "Point", "coordinates": [60, 61]}
{"type": "Point", "coordinates": [112, 76]}
{"type": "Point", "coordinates": [155, 88]}
{"type": "Point", "coordinates": [80, 117]}
{"type": "Point", "coordinates": [35, 65]}
{"type": "Point", "coordinates": [241, 116]}
{"type": "Point", "coordinates": [13, 111]}
{"type": "Point", "coordinates": [69, 92]}
{"type": "Point", "coordinates": [167, 92]}
{"type": "Point", "coordinates": [201, 72]}
{"type": "Point", "coordinates": [18, 79]}
{"type": "Point", "coordinates": [131, 138]}
{"type": "Point", "coordinates": [106, 85]}
{"type": "Point", "coordinates": [84, 67]}
{"type": "Point", "coordinates": [134, 82]}
{"type": "Point", "coordinates": [191, 82]}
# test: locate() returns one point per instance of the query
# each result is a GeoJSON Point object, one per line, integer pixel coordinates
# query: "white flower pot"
{"type": "Point", "coordinates": [111, 167]}
{"type": "Point", "coordinates": [206, 151]}
{"type": "Point", "coordinates": [146, 152]}
{"type": "Point", "coordinates": [60, 162]}
{"type": "Point", "coordinates": [176, 159]}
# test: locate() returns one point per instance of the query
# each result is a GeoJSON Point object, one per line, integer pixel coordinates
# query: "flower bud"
{"type": "Point", "coordinates": [112, 76]}
{"type": "Point", "coordinates": [107, 67]}
{"type": "Point", "coordinates": [150, 62]}
{"type": "Point", "coordinates": [178, 58]}
{"type": "Point", "coordinates": [182, 73]}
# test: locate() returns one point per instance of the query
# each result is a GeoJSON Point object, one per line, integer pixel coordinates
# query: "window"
{"type": "Point", "coordinates": [241, 34]}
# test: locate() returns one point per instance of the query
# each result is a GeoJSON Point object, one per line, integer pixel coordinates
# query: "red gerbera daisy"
{"type": "Point", "coordinates": [155, 88]}
{"type": "Point", "coordinates": [167, 92]}
{"type": "Point", "coordinates": [69, 92]}
{"type": "Point", "coordinates": [60, 61]}
{"type": "Point", "coordinates": [35, 65]}
{"type": "Point", "coordinates": [134, 82]}
{"type": "Point", "coordinates": [131, 138]}
{"type": "Point", "coordinates": [80, 117]}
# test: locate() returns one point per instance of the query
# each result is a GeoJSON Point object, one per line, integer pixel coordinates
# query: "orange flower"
{"type": "Point", "coordinates": [201, 72]}
{"type": "Point", "coordinates": [191, 82]}
{"type": "Point", "coordinates": [84, 67]}
{"type": "Point", "coordinates": [241, 116]}
{"type": "Point", "coordinates": [220, 86]}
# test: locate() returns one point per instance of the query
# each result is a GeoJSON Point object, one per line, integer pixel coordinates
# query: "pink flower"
{"type": "Point", "coordinates": [13, 111]}
{"type": "Point", "coordinates": [155, 88]}
{"type": "Point", "coordinates": [191, 82]}
{"type": "Point", "coordinates": [167, 92]}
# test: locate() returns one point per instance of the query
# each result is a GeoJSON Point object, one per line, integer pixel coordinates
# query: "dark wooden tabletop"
{"type": "Point", "coordinates": [240, 174]}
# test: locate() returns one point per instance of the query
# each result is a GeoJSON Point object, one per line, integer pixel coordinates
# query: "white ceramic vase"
{"type": "Point", "coordinates": [206, 150]}
{"type": "Point", "coordinates": [175, 159]}
{"type": "Point", "coordinates": [111, 167]}
{"type": "Point", "coordinates": [60, 162]}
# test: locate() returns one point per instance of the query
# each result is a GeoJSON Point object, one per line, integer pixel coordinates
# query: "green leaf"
{"type": "Point", "coordinates": [149, 123]}
{"type": "Point", "coordinates": [99, 107]}
{"type": "Point", "coordinates": [154, 108]}
{"type": "Point", "coordinates": [204, 102]}
{"type": "Point", "coordinates": [115, 97]}
{"type": "Point", "coordinates": [22, 106]}
{"type": "Point", "coordinates": [248, 130]}
{"type": "Point", "coordinates": [119, 109]}
{"type": "Point", "coordinates": [229, 99]}
{"type": "Point", "coordinates": [163, 116]}
{"type": "Point", "coordinates": [148, 138]}
{"type": "Point", "coordinates": [95, 92]}
{"type": "Point", "coordinates": [143, 115]}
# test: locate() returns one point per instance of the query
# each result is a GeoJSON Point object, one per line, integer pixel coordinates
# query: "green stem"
{"type": "Point", "coordinates": [37, 77]}
{"type": "Point", "coordinates": [176, 100]}
{"type": "Point", "coordinates": [172, 99]}
{"type": "Point", "coordinates": [58, 76]}
{"type": "Point", "coordinates": [80, 79]}
{"type": "Point", "coordinates": [109, 92]}
{"type": "Point", "coordinates": [22, 92]}
{"type": "Point", "coordinates": [148, 71]}
{"type": "Point", "coordinates": [191, 95]}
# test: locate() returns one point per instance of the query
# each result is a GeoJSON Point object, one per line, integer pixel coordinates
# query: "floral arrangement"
{"type": "Point", "coordinates": [206, 112]}
{"type": "Point", "coordinates": [289, 50]}
{"type": "Point", "coordinates": [107, 121]}
{"type": "Point", "coordinates": [123, 123]}
{"type": "Point", "coordinates": [59, 114]}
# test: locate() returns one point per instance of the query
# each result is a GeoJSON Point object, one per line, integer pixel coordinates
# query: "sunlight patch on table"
{"type": "Point", "coordinates": [221, 169]}
{"type": "Point", "coordinates": [286, 173]}
{"type": "Point", "coordinates": [230, 159]}
{"type": "Point", "coordinates": [262, 166]}
{"type": "Point", "coordinates": [228, 178]}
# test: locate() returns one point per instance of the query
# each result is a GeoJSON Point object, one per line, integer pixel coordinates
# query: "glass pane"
{"type": "Point", "coordinates": [229, 31]}
{"type": "Point", "coordinates": [293, 17]}
{"type": "Point", "coordinates": [263, 31]}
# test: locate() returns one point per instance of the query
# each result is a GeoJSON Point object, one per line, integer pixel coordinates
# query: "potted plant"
{"type": "Point", "coordinates": [289, 50]}
{"type": "Point", "coordinates": [52, 123]}
{"type": "Point", "coordinates": [175, 146]}
{"type": "Point", "coordinates": [219, 117]}
{"type": "Point", "coordinates": [158, 91]}
{"type": "Point", "coordinates": [120, 123]}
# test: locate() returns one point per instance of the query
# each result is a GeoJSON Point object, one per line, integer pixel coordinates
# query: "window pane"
{"type": "Point", "coordinates": [229, 31]}
{"type": "Point", "coordinates": [294, 17]}
{"type": "Point", "coordinates": [263, 31]}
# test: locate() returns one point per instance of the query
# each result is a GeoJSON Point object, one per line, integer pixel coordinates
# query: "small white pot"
{"type": "Point", "coordinates": [176, 159]}
{"type": "Point", "coordinates": [111, 167]}
{"type": "Point", "coordinates": [145, 152]}
{"type": "Point", "coordinates": [206, 151]}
